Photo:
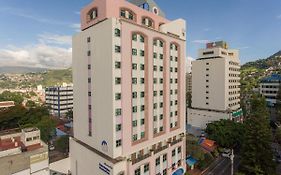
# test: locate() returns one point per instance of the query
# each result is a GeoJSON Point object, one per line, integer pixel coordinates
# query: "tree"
{"type": "Point", "coordinates": [47, 128]}
{"type": "Point", "coordinates": [30, 104]}
{"type": "Point", "coordinates": [69, 114]}
{"type": "Point", "coordinates": [62, 144]}
{"type": "Point", "coordinates": [226, 133]}
{"type": "Point", "coordinates": [278, 135]}
{"type": "Point", "coordinates": [256, 153]}
{"type": "Point", "coordinates": [12, 96]}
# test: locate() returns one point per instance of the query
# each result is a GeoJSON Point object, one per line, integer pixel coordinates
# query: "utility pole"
{"type": "Point", "coordinates": [232, 160]}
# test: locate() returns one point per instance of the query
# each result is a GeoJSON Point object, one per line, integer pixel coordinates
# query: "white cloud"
{"type": "Point", "coordinates": [245, 47]}
{"type": "Point", "coordinates": [207, 29]}
{"type": "Point", "coordinates": [48, 53]}
{"type": "Point", "coordinates": [76, 27]}
{"type": "Point", "coordinates": [48, 38]}
{"type": "Point", "coordinates": [77, 12]}
{"type": "Point", "coordinates": [201, 41]}
{"type": "Point", "coordinates": [278, 17]}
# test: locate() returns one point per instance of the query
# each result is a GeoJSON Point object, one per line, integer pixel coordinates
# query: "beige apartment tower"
{"type": "Point", "coordinates": [215, 85]}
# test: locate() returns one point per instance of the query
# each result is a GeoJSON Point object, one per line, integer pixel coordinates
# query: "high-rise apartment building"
{"type": "Point", "coordinates": [215, 85]}
{"type": "Point", "coordinates": [59, 99]}
{"type": "Point", "coordinates": [129, 93]}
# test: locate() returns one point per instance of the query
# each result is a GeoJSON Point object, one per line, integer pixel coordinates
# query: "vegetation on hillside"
{"type": "Point", "coordinates": [31, 80]}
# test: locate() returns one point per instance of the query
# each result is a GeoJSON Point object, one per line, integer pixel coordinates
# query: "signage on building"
{"type": "Point", "coordinates": [105, 168]}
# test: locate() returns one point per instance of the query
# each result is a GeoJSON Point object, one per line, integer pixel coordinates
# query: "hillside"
{"type": "Point", "coordinates": [272, 61]}
{"type": "Point", "coordinates": [20, 70]}
{"type": "Point", "coordinates": [31, 80]}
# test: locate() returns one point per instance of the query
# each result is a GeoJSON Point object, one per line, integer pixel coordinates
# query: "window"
{"type": "Point", "coordinates": [118, 112]}
{"type": "Point", "coordinates": [161, 129]}
{"type": "Point", "coordinates": [176, 47]}
{"type": "Point", "coordinates": [93, 14]}
{"type": "Point", "coordinates": [164, 157]}
{"type": "Point", "coordinates": [142, 66]}
{"type": "Point", "coordinates": [118, 127]}
{"type": "Point", "coordinates": [155, 106]}
{"type": "Point", "coordinates": [161, 93]}
{"type": "Point", "coordinates": [173, 153]}
{"type": "Point", "coordinates": [141, 39]}
{"type": "Point", "coordinates": [171, 46]}
{"type": "Point", "coordinates": [135, 123]}
{"type": "Point", "coordinates": [142, 107]}
{"type": "Point", "coordinates": [154, 55]}
{"type": "Point", "coordinates": [171, 114]}
{"type": "Point", "coordinates": [176, 80]}
{"type": "Point", "coordinates": [117, 81]}
{"type": "Point", "coordinates": [28, 139]}
{"type": "Point", "coordinates": [117, 32]}
{"type": "Point", "coordinates": [117, 49]}
{"type": "Point", "coordinates": [142, 135]}
{"type": "Point", "coordinates": [117, 64]}
{"type": "Point", "coordinates": [89, 80]}
{"type": "Point", "coordinates": [134, 80]}
{"type": "Point", "coordinates": [161, 105]}
{"type": "Point", "coordinates": [155, 68]}
{"type": "Point", "coordinates": [171, 80]}
{"type": "Point", "coordinates": [134, 52]}
{"type": "Point", "coordinates": [118, 143]}
{"type": "Point", "coordinates": [123, 13]}
{"type": "Point", "coordinates": [154, 80]}
{"type": "Point", "coordinates": [142, 121]}
{"type": "Point", "coordinates": [176, 59]}
{"type": "Point", "coordinates": [135, 137]}
{"type": "Point", "coordinates": [134, 66]}
{"type": "Point", "coordinates": [135, 109]}
{"type": "Point", "coordinates": [155, 93]}
{"type": "Point", "coordinates": [176, 69]}
{"type": "Point", "coordinates": [171, 69]}
{"type": "Point", "coordinates": [155, 118]}
{"type": "Point", "coordinates": [176, 102]}
{"type": "Point", "coordinates": [138, 171]}
{"type": "Point", "coordinates": [142, 80]}
{"type": "Point", "coordinates": [118, 96]}
{"type": "Point", "coordinates": [179, 150]}
{"type": "Point", "coordinates": [89, 67]}
{"type": "Point", "coordinates": [131, 16]}
{"type": "Point", "coordinates": [157, 161]}
{"type": "Point", "coordinates": [161, 56]}
{"type": "Point", "coordinates": [161, 43]}
{"type": "Point", "coordinates": [142, 53]}
{"type": "Point", "coordinates": [88, 39]}
{"type": "Point", "coordinates": [89, 94]}
{"type": "Point", "coordinates": [171, 58]}
{"type": "Point", "coordinates": [89, 107]}
{"type": "Point", "coordinates": [165, 172]}
{"type": "Point", "coordinates": [161, 80]}
{"type": "Point", "coordinates": [89, 53]}
{"type": "Point", "coordinates": [155, 42]}
{"type": "Point", "coordinates": [142, 94]}
{"type": "Point", "coordinates": [176, 113]}
{"type": "Point", "coordinates": [161, 68]}
{"type": "Point", "coordinates": [134, 94]}
{"type": "Point", "coordinates": [134, 37]}
{"type": "Point", "coordinates": [146, 168]}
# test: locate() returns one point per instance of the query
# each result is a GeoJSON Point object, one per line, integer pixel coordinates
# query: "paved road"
{"type": "Point", "coordinates": [222, 167]}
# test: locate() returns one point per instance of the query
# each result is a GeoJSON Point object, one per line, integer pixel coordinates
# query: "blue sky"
{"type": "Point", "coordinates": [38, 33]}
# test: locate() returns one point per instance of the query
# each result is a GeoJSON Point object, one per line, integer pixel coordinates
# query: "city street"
{"type": "Point", "coordinates": [222, 167]}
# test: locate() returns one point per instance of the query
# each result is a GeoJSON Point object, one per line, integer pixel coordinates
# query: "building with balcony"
{"type": "Point", "coordinates": [59, 99]}
{"type": "Point", "coordinates": [215, 85]}
{"type": "Point", "coordinates": [129, 93]}
{"type": "Point", "coordinates": [23, 153]}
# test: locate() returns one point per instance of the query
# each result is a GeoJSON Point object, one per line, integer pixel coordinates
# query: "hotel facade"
{"type": "Point", "coordinates": [129, 92]}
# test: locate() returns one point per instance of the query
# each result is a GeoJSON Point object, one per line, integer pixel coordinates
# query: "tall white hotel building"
{"type": "Point", "coordinates": [215, 86]}
{"type": "Point", "coordinates": [129, 91]}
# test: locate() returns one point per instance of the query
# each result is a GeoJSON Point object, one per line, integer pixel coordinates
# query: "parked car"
{"type": "Point", "coordinates": [226, 153]}
{"type": "Point", "coordinates": [51, 147]}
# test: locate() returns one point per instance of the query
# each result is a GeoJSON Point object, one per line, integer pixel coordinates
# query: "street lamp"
{"type": "Point", "coordinates": [231, 156]}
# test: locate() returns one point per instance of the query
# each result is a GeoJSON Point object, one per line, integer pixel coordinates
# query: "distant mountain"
{"type": "Point", "coordinates": [21, 70]}
{"type": "Point", "coordinates": [273, 61]}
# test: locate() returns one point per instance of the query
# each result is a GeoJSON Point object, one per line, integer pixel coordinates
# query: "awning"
{"type": "Point", "coordinates": [178, 172]}
{"type": "Point", "coordinates": [191, 161]}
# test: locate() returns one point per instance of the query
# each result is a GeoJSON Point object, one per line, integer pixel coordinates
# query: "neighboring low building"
{"type": "Point", "coordinates": [269, 88]}
{"type": "Point", "coordinates": [59, 99]}
{"type": "Point", "coordinates": [23, 153]}
{"type": "Point", "coordinates": [6, 104]}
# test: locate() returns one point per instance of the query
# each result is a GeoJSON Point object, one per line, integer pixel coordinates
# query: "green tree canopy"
{"type": "Point", "coordinates": [11, 96]}
{"type": "Point", "coordinates": [256, 154]}
{"type": "Point", "coordinates": [226, 133]}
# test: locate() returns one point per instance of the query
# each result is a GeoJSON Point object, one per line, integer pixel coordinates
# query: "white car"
{"type": "Point", "coordinates": [226, 153]}
{"type": "Point", "coordinates": [51, 147]}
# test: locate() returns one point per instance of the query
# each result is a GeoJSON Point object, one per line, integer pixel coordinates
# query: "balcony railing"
{"type": "Point", "coordinates": [140, 158]}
